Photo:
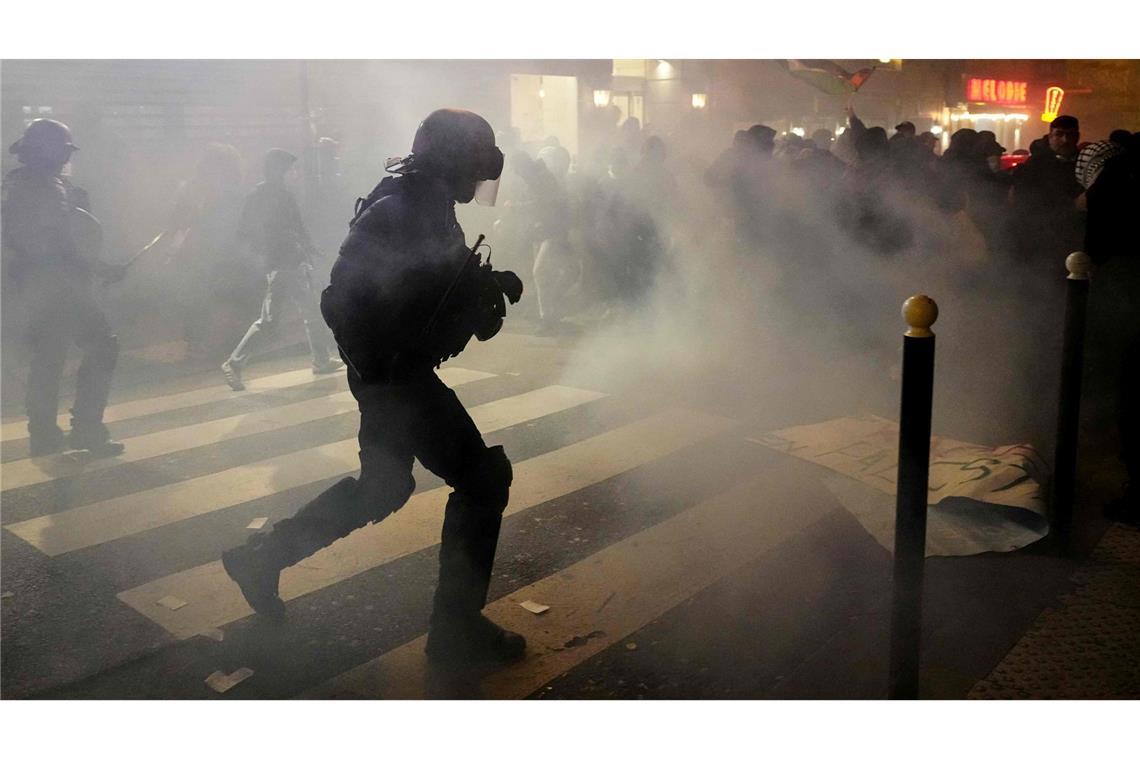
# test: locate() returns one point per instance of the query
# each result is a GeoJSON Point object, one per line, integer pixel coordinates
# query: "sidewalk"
{"type": "Point", "coordinates": [1086, 645]}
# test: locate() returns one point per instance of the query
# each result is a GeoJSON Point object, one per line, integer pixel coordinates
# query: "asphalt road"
{"type": "Point", "coordinates": [678, 558]}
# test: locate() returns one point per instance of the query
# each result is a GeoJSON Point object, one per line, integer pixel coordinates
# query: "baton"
{"type": "Point", "coordinates": [447, 293]}
{"type": "Point", "coordinates": [146, 248]}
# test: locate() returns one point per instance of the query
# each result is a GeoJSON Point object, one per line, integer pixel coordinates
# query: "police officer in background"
{"type": "Point", "coordinates": [406, 294]}
{"type": "Point", "coordinates": [272, 222]}
{"type": "Point", "coordinates": [53, 240]}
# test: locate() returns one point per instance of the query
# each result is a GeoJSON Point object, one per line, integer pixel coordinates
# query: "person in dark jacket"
{"type": "Point", "coordinates": [1047, 225]}
{"type": "Point", "coordinates": [53, 241]}
{"type": "Point", "coordinates": [1112, 239]}
{"type": "Point", "coordinates": [405, 295]}
{"type": "Point", "coordinates": [271, 222]}
{"type": "Point", "coordinates": [743, 177]}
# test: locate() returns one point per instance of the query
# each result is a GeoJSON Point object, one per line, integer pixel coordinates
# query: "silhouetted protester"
{"type": "Point", "coordinates": [652, 185]}
{"type": "Point", "coordinates": [406, 295]}
{"type": "Point", "coordinates": [271, 222]}
{"type": "Point", "coordinates": [1120, 137]}
{"type": "Point", "coordinates": [744, 178]}
{"type": "Point", "coordinates": [868, 210]}
{"type": "Point", "coordinates": [1046, 224]}
{"type": "Point", "coordinates": [904, 133]}
{"type": "Point", "coordinates": [53, 241]}
{"type": "Point", "coordinates": [557, 267]}
{"type": "Point", "coordinates": [928, 143]}
{"type": "Point", "coordinates": [910, 162]}
{"type": "Point", "coordinates": [204, 223]}
{"type": "Point", "coordinates": [548, 217]}
{"type": "Point", "coordinates": [334, 199]}
{"type": "Point", "coordinates": [630, 136]}
{"type": "Point", "coordinates": [820, 169]}
{"type": "Point", "coordinates": [822, 139]}
{"type": "Point", "coordinates": [972, 169]}
{"type": "Point", "coordinates": [1112, 239]}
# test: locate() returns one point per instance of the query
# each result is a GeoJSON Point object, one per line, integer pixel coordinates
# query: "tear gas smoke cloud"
{"type": "Point", "coordinates": [801, 325]}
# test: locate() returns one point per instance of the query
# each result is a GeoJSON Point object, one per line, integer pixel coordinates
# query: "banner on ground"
{"type": "Point", "coordinates": [981, 498]}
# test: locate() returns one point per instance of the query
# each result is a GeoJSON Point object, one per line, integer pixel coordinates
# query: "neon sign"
{"type": "Point", "coordinates": [1053, 97]}
{"type": "Point", "coordinates": [1003, 91]}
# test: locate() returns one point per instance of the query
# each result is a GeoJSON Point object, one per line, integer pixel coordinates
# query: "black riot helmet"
{"type": "Point", "coordinates": [44, 140]}
{"type": "Point", "coordinates": [458, 146]}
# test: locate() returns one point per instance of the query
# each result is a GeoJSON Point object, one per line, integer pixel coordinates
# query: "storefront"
{"type": "Point", "coordinates": [1008, 107]}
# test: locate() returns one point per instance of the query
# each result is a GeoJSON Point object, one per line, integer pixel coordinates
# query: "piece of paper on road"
{"type": "Point", "coordinates": [172, 602]}
{"type": "Point", "coordinates": [257, 523]}
{"type": "Point", "coordinates": [221, 683]}
{"type": "Point", "coordinates": [534, 607]}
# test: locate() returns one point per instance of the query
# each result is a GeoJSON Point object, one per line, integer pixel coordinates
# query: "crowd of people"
{"type": "Point", "coordinates": [598, 232]}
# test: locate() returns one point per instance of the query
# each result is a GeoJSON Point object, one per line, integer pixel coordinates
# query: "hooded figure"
{"type": "Point", "coordinates": [271, 223]}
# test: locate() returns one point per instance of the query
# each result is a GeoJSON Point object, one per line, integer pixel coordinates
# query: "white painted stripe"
{"type": "Point", "coordinates": [26, 472]}
{"type": "Point", "coordinates": [214, 600]}
{"type": "Point", "coordinates": [617, 591]}
{"type": "Point", "coordinates": [218, 392]}
{"type": "Point", "coordinates": [108, 520]}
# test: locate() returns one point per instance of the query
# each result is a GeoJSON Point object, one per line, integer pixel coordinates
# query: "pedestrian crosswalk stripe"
{"type": "Point", "coordinates": [104, 521]}
{"type": "Point", "coordinates": [616, 591]}
{"type": "Point", "coordinates": [26, 472]}
{"type": "Point", "coordinates": [153, 405]}
{"type": "Point", "coordinates": [213, 600]}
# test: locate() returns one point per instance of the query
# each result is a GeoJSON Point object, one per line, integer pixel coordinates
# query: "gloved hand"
{"type": "Point", "coordinates": [510, 284]}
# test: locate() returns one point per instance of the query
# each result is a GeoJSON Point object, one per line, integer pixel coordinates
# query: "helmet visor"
{"type": "Point", "coordinates": [487, 191]}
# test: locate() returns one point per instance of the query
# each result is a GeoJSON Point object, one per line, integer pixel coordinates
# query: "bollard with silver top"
{"type": "Point", "coordinates": [920, 313]}
{"type": "Point", "coordinates": [1079, 265]}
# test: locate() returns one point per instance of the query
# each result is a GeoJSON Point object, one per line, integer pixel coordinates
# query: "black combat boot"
{"type": "Point", "coordinates": [93, 437]}
{"type": "Point", "coordinates": [459, 633]}
{"type": "Point", "coordinates": [471, 639]}
{"type": "Point", "coordinates": [256, 566]}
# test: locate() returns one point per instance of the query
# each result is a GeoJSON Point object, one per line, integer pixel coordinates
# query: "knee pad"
{"type": "Point", "coordinates": [488, 481]}
{"type": "Point", "coordinates": [385, 484]}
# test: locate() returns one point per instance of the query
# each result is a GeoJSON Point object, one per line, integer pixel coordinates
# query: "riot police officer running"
{"type": "Point", "coordinates": [406, 294]}
{"type": "Point", "coordinates": [53, 241]}
{"type": "Point", "coordinates": [272, 223]}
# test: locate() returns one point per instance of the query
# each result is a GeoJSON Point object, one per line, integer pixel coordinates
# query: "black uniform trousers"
{"type": "Point", "coordinates": [64, 311]}
{"type": "Point", "coordinates": [421, 419]}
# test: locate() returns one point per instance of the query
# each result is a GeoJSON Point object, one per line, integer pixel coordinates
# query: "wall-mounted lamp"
{"type": "Point", "coordinates": [700, 100]}
{"type": "Point", "coordinates": [602, 98]}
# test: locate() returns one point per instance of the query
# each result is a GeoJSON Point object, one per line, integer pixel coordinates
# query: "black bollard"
{"type": "Point", "coordinates": [1069, 404]}
{"type": "Point", "coordinates": [920, 313]}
